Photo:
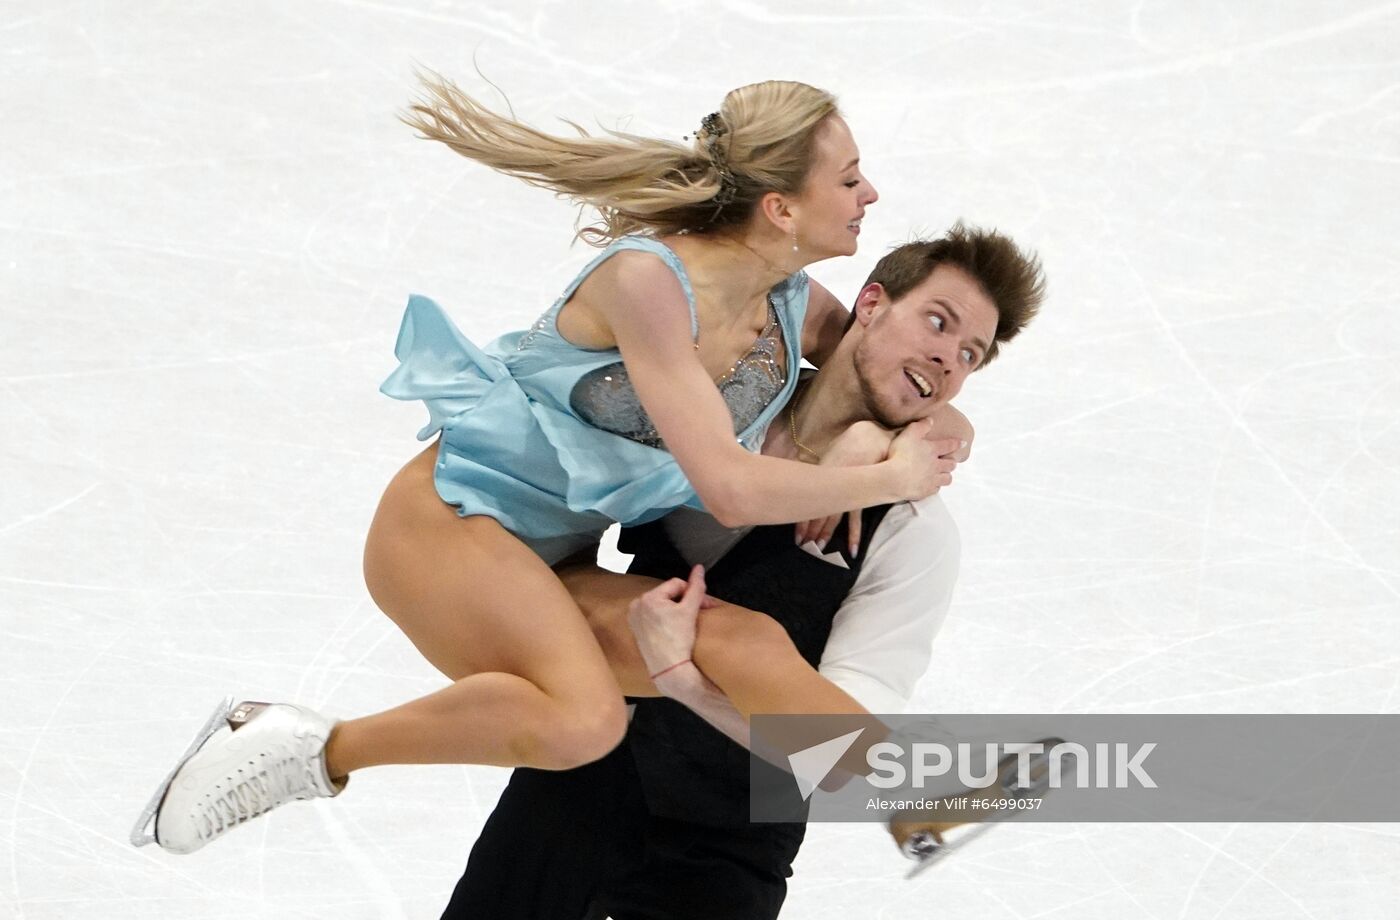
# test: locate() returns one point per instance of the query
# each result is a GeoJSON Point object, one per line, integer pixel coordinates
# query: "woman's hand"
{"type": "Point", "coordinates": [948, 422]}
{"type": "Point", "coordinates": [927, 458]}
{"type": "Point", "coordinates": [863, 443]}
{"type": "Point", "coordinates": [920, 462]}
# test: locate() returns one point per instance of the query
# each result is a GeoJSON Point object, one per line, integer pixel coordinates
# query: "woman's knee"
{"type": "Point", "coordinates": [580, 731]}
{"type": "Point", "coordinates": [733, 640]}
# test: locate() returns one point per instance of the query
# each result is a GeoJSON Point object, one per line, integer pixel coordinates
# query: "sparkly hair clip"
{"type": "Point", "coordinates": [714, 127]}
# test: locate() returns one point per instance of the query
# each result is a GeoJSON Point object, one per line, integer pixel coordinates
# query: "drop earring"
{"type": "Point", "coordinates": [794, 237]}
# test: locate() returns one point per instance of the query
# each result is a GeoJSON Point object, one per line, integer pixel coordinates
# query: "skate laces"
{"type": "Point", "coordinates": [257, 787]}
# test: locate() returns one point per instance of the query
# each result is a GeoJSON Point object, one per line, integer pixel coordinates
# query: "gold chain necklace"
{"type": "Point", "coordinates": [792, 427]}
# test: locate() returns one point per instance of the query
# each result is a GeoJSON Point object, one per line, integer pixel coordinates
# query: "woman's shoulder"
{"type": "Point", "coordinates": [632, 266]}
{"type": "Point", "coordinates": [793, 294]}
{"type": "Point", "coordinates": [629, 284]}
{"type": "Point", "coordinates": [799, 282]}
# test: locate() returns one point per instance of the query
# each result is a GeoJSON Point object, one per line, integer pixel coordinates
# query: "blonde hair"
{"type": "Point", "coordinates": [762, 140]}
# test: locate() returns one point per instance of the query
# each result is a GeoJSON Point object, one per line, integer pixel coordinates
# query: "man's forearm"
{"type": "Point", "coordinates": [687, 686]}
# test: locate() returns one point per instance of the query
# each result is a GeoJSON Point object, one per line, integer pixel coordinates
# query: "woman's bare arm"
{"type": "Point", "coordinates": [824, 326]}
{"type": "Point", "coordinates": [648, 317]}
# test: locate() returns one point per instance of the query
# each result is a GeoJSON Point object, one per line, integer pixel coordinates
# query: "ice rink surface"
{"type": "Point", "coordinates": [1186, 477]}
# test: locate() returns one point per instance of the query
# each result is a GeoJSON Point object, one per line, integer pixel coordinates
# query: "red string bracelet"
{"type": "Point", "coordinates": [668, 670]}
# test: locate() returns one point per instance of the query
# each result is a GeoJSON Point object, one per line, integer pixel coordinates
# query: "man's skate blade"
{"type": "Point", "coordinates": [927, 862]}
{"type": "Point", "coordinates": [1039, 786]}
{"type": "Point", "coordinates": [143, 832]}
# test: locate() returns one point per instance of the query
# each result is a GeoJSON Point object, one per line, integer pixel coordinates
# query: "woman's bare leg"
{"type": "Point", "coordinates": [531, 686]}
{"type": "Point", "coordinates": [746, 654]}
{"type": "Point", "coordinates": [740, 642]}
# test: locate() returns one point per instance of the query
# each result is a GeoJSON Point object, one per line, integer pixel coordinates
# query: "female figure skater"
{"type": "Point", "coordinates": [647, 385]}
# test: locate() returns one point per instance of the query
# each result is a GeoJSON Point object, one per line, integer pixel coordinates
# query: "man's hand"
{"type": "Point", "coordinates": [664, 622]}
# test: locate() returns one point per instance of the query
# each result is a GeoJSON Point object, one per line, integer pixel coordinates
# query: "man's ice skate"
{"type": "Point", "coordinates": [245, 761]}
{"type": "Point", "coordinates": [922, 840]}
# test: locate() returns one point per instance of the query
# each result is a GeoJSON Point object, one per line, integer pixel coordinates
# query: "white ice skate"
{"type": "Point", "coordinates": [922, 840]}
{"type": "Point", "coordinates": [245, 761]}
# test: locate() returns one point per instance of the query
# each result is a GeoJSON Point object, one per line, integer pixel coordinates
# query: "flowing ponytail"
{"type": "Point", "coordinates": [761, 140]}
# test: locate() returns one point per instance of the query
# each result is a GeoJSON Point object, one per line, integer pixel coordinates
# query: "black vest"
{"type": "Point", "coordinates": [688, 770]}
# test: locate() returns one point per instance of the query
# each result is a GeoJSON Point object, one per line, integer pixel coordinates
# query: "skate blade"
{"type": "Point", "coordinates": [143, 832]}
{"type": "Point", "coordinates": [1040, 785]}
{"type": "Point", "coordinates": [947, 849]}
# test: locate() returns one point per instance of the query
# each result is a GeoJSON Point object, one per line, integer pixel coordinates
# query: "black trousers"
{"type": "Point", "coordinates": [581, 845]}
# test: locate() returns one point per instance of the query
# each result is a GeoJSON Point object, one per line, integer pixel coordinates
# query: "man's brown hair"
{"type": "Point", "coordinates": [1013, 280]}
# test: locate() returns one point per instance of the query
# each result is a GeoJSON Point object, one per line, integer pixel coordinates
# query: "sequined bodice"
{"type": "Point", "coordinates": [604, 397]}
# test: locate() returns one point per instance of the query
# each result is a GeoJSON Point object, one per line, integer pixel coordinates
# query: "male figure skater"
{"type": "Point", "coordinates": [659, 827]}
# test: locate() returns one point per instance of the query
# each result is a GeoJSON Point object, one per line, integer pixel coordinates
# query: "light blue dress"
{"type": "Point", "coordinates": [514, 443]}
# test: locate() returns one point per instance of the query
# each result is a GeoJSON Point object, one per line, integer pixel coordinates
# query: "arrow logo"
{"type": "Point", "coordinates": [811, 765]}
